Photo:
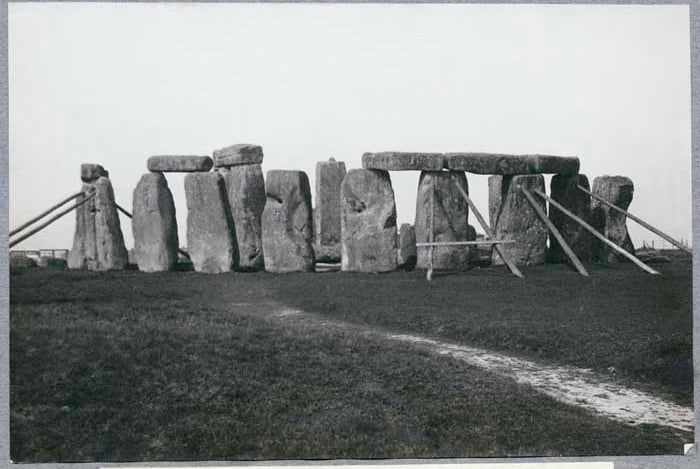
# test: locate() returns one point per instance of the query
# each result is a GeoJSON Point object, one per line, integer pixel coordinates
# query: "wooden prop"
{"type": "Point", "coordinates": [184, 253]}
{"type": "Point", "coordinates": [499, 249]}
{"type": "Point", "coordinates": [646, 225]}
{"type": "Point", "coordinates": [617, 248]}
{"type": "Point", "coordinates": [465, 243]}
{"type": "Point", "coordinates": [51, 220]}
{"type": "Point", "coordinates": [543, 216]}
{"type": "Point", "coordinates": [431, 234]}
{"type": "Point", "coordinates": [43, 214]}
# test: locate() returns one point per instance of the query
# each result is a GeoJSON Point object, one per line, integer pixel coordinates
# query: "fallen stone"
{"type": "Point", "coordinates": [329, 177]}
{"type": "Point", "coordinates": [21, 261]}
{"type": "Point", "coordinates": [564, 190]}
{"type": "Point", "coordinates": [407, 255]}
{"type": "Point", "coordinates": [488, 163]}
{"type": "Point", "coordinates": [450, 215]}
{"type": "Point", "coordinates": [83, 254]}
{"type": "Point", "coordinates": [211, 234]}
{"type": "Point", "coordinates": [287, 223]}
{"type": "Point", "coordinates": [619, 191]}
{"type": "Point", "coordinates": [154, 225]}
{"type": "Point", "coordinates": [368, 222]}
{"type": "Point", "coordinates": [513, 218]}
{"type": "Point", "coordinates": [245, 187]}
{"type": "Point", "coordinates": [49, 262]}
{"type": "Point", "coordinates": [403, 161]}
{"type": "Point", "coordinates": [179, 163]}
{"type": "Point", "coordinates": [327, 253]}
{"type": "Point", "coordinates": [111, 251]}
{"type": "Point", "coordinates": [239, 154]}
{"type": "Point", "coordinates": [92, 172]}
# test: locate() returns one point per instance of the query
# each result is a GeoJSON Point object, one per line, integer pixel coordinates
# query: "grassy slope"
{"type": "Point", "coordinates": [620, 320]}
{"type": "Point", "coordinates": [130, 366]}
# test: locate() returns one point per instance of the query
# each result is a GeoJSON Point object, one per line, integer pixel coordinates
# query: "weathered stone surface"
{"type": "Point", "coordinates": [473, 250]}
{"type": "Point", "coordinates": [329, 253]}
{"type": "Point", "coordinates": [245, 187]}
{"type": "Point", "coordinates": [618, 190]}
{"type": "Point", "coordinates": [154, 225]}
{"type": "Point", "coordinates": [368, 222]}
{"type": "Point", "coordinates": [83, 254]}
{"type": "Point", "coordinates": [211, 234]}
{"type": "Point", "coordinates": [513, 218]}
{"type": "Point", "coordinates": [488, 163]}
{"type": "Point", "coordinates": [407, 256]}
{"type": "Point", "coordinates": [450, 215]}
{"type": "Point", "coordinates": [563, 189]}
{"type": "Point", "coordinates": [179, 163]}
{"type": "Point", "coordinates": [51, 262]}
{"type": "Point", "coordinates": [239, 154]}
{"type": "Point", "coordinates": [91, 172]}
{"type": "Point", "coordinates": [287, 222]}
{"type": "Point", "coordinates": [21, 261]}
{"type": "Point", "coordinates": [111, 251]}
{"type": "Point", "coordinates": [329, 177]}
{"type": "Point", "coordinates": [403, 161]}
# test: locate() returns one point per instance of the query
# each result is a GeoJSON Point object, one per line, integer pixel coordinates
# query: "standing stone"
{"type": "Point", "coordinates": [245, 187]}
{"type": "Point", "coordinates": [92, 172]}
{"type": "Point", "coordinates": [450, 214]}
{"type": "Point", "coordinates": [407, 254]}
{"type": "Point", "coordinates": [287, 223]}
{"type": "Point", "coordinates": [154, 225]}
{"type": "Point", "coordinates": [474, 250]}
{"type": "Point", "coordinates": [83, 254]}
{"type": "Point", "coordinates": [329, 177]}
{"type": "Point", "coordinates": [618, 190]}
{"type": "Point", "coordinates": [563, 189]}
{"type": "Point", "coordinates": [368, 222]}
{"type": "Point", "coordinates": [513, 218]}
{"type": "Point", "coordinates": [111, 251]}
{"type": "Point", "coordinates": [211, 234]}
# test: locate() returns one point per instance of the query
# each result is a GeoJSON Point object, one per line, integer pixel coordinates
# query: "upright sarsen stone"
{"type": "Point", "coordinates": [154, 224]}
{"type": "Point", "coordinates": [211, 234]}
{"type": "Point", "coordinates": [287, 222]}
{"type": "Point", "coordinates": [83, 254]}
{"type": "Point", "coordinates": [513, 218]}
{"type": "Point", "coordinates": [329, 177]}
{"type": "Point", "coordinates": [407, 254]}
{"type": "Point", "coordinates": [563, 189]}
{"type": "Point", "coordinates": [450, 216]}
{"type": "Point", "coordinates": [111, 251]}
{"type": "Point", "coordinates": [368, 222]}
{"type": "Point", "coordinates": [245, 187]}
{"type": "Point", "coordinates": [618, 190]}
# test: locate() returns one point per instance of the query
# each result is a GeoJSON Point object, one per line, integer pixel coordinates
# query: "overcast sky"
{"type": "Point", "coordinates": [115, 83]}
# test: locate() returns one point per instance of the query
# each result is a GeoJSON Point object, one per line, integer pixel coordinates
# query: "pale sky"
{"type": "Point", "coordinates": [115, 83]}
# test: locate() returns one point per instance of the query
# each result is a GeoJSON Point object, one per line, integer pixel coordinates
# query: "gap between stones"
{"type": "Point", "coordinates": [574, 386]}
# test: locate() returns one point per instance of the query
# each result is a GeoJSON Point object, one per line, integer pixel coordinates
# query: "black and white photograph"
{"type": "Point", "coordinates": [338, 231]}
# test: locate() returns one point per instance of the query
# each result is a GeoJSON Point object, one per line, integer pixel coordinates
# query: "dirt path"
{"type": "Point", "coordinates": [570, 385]}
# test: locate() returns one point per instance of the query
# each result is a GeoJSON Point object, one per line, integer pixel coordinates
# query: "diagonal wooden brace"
{"type": "Point", "coordinates": [595, 233]}
{"type": "Point", "coordinates": [487, 230]}
{"type": "Point", "coordinates": [560, 239]}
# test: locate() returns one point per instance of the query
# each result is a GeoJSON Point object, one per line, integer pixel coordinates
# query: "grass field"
{"type": "Point", "coordinates": [130, 366]}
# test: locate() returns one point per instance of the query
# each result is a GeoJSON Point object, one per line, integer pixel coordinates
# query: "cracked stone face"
{"type": "Point", "coordinates": [154, 225]}
{"type": "Point", "coordinates": [211, 234]}
{"type": "Point", "coordinates": [513, 218]}
{"type": "Point", "coordinates": [368, 222]}
{"type": "Point", "coordinates": [618, 190]}
{"type": "Point", "coordinates": [450, 219]}
{"type": "Point", "coordinates": [287, 222]}
{"type": "Point", "coordinates": [245, 188]}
